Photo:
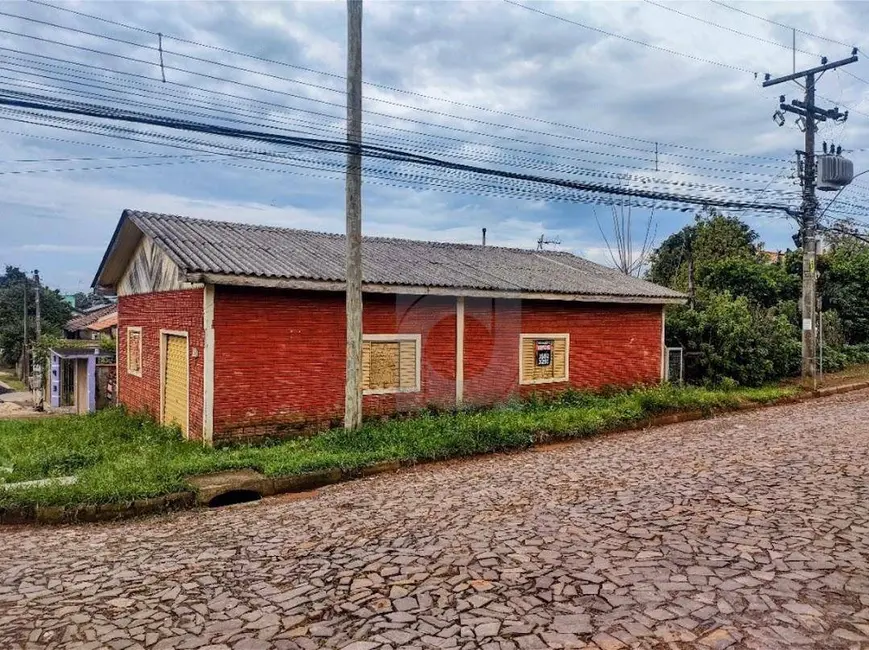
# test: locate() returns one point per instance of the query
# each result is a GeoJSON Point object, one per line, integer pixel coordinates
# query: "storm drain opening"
{"type": "Point", "coordinates": [234, 497]}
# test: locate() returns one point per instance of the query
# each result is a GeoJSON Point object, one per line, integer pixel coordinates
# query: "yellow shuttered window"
{"type": "Point", "coordinates": [134, 351]}
{"type": "Point", "coordinates": [390, 363]}
{"type": "Point", "coordinates": [543, 358]}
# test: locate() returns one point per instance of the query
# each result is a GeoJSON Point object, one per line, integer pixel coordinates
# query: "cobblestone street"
{"type": "Point", "coordinates": [747, 531]}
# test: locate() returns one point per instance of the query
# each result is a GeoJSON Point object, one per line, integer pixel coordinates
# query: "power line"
{"type": "Point", "coordinates": [773, 22]}
{"type": "Point", "coordinates": [367, 83]}
{"type": "Point", "coordinates": [663, 49]}
{"type": "Point", "coordinates": [370, 112]}
{"type": "Point", "coordinates": [34, 102]}
{"type": "Point", "coordinates": [730, 190]}
{"type": "Point", "coordinates": [632, 40]}
{"type": "Point", "coordinates": [162, 92]}
{"type": "Point", "coordinates": [728, 29]}
{"type": "Point", "coordinates": [98, 167]}
{"type": "Point", "coordinates": [87, 158]}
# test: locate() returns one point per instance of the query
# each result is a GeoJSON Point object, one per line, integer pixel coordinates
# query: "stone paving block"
{"type": "Point", "coordinates": [748, 531]}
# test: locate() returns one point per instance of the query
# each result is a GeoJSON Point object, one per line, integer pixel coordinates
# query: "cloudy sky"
{"type": "Point", "coordinates": [482, 81]}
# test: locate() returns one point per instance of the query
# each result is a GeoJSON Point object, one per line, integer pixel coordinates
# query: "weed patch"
{"type": "Point", "coordinates": [119, 456]}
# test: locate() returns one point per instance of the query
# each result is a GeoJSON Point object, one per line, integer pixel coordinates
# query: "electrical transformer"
{"type": "Point", "coordinates": [834, 172]}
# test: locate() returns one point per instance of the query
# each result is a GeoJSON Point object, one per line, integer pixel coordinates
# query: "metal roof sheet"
{"type": "Point", "coordinates": [219, 247]}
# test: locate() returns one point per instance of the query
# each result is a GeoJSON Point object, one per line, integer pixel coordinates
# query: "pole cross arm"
{"type": "Point", "coordinates": [820, 113]}
{"type": "Point", "coordinates": [799, 75]}
{"type": "Point", "coordinates": [801, 111]}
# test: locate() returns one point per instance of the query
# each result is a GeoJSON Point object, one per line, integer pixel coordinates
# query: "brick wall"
{"type": "Point", "coordinates": [168, 310]}
{"type": "Point", "coordinates": [279, 357]}
{"type": "Point", "coordinates": [435, 319]}
{"type": "Point", "coordinates": [609, 344]}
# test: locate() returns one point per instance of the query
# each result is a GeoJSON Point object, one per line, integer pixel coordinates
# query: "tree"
{"type": "Point", "coordinates": [55, 312]}
{"type": "Point", "coordinates": [844, 287]}
{"type": "Point", "coordinates": [712, 237]}
{"type": "Point", "coordinates": [762, 284]}
{"type": "Point", "coordinates": [87, 300]}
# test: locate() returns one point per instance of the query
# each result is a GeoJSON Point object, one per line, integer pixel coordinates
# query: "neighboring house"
{"type": "Point", "coordinates": [773, 257]}
{"type": "Point", "coordinates": [81, 327]}
{"type": "Point", "coordinates": [234, 331]}
{"type": "Point", "coordinates": [107, 325]}
{"type": "Point", "coordinates": [81, 373]}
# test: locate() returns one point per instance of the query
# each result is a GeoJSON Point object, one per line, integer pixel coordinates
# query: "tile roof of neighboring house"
{"type": "Point", "coordinates": [105, 322]}
{"type": "Point", "coordinates": [219, 248]}
{"type": "Point", "coordinates": [81, 322]}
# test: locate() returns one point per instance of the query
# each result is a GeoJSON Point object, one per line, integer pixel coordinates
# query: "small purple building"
{"type": "Point", "coordinates": [71, 381]}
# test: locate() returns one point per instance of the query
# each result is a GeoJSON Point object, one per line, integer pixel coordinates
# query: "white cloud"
{"type": "Point", "coordinates": [58, 248]}
{"type": "Point", "coordinates": [485, 53]}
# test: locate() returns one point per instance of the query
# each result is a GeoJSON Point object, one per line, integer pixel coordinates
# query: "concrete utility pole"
{"type": "Point", "coordinates": [24, 359]}
{"type": "Point", "coordinates": [37, 298]}
{"type": "Point", "coordinates": [353, 390]}
{"type": "Point", "coordinates": [810, 113]}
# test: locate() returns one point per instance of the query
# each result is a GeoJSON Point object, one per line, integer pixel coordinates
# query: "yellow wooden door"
{"type": "Point", "coordinates": [175, 382]}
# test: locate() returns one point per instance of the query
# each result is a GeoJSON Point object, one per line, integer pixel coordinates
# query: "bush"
{"type": "Point", "coordinates": [735, 340]}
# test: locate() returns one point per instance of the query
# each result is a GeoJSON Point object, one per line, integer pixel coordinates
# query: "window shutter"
{"type": "Point", "coordinates": [407, 363]}
{"type": "Point", "coordinates": [134, 351]}
{"type": "Point", "coordinates": [384, 365]}
{"type": "Point", "coordinates": [555, 370]}
{"type": "Point", "coordinates": [390, 365]}
{"type": "Point", "coordinates": [559, 359]}
{"type": "Point", "coordinates": [366, 365]}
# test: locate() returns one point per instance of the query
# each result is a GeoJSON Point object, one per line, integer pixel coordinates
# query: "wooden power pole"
{"type": "Point", "coordinates": [811, 114]}
{"type": "Point", "coordinates": [353, 390]}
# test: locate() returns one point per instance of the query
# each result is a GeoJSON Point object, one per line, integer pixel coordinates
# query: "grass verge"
{"type": "Point", "coordinates": [8, 377]}
{"type": "Point", "coordinates": [119, 457]}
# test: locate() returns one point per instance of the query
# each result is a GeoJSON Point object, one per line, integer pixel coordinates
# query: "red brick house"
{"type": "Point", "coordinates": [234, 330]}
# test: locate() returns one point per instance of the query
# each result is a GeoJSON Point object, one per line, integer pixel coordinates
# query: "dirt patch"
{"type": "Point", "coordinates": [9, 407]}
{"type": "Point", "coordinates": [852, 375]}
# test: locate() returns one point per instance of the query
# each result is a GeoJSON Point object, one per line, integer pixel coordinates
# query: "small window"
{"type": "Point", "coordinates": [134, 351]}
{"type": "Point", "coordinates": [543, 358]}
{"type": "Point", "coordinates": [390, 363]}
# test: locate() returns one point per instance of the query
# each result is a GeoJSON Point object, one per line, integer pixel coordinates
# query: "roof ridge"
{"type": "Point", "coordinates": [220, 222]}
{"type": "Point", "coordinates": [201, 246]}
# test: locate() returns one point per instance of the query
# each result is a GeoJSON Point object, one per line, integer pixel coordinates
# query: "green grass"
{"type": "Point", "coordinates": [8, 377]}
{"type": "Point", "coordinates": [118, 456]}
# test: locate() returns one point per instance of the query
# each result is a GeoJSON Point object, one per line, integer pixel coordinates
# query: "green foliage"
{"type": "Point", "coordinates": [840, 358]}
{"type": "Point", "coordinates": [119, 456]}
{"type": "Point", "coordinates": [54, 313]}
{"type": "Point", "coordinates": [746, 323]}
{"type": "Point", "coordinates": [844, 286]}
{"type": "Point", "coordinates": [734, 339]}
{"type": "Point", "coordinates": [712, 237]}
{"type": "Point", "coordinates": [762, 284]}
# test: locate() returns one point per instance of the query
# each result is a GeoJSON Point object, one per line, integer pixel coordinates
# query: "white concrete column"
{"type": "Point", "coordinates": [208, 366]}
{"type": "Point", "coordinates": [460, 350]}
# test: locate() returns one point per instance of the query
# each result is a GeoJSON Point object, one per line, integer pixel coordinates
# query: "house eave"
{"type": "Point", "coordinates": [325, 285]}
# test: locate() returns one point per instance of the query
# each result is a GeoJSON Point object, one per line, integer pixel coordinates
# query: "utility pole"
{"type": "Point", "coordinates": [810, 114]}
{"type": "Point", "coordinates": [353, 390]}
{"type": "Point", "coordinates": [38, 297]}
{"type": "Point", "coordinates": [24, 364]}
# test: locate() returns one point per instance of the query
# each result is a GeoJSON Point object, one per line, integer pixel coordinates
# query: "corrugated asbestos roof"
{"type": "Point", "coordinates": [203, 246]}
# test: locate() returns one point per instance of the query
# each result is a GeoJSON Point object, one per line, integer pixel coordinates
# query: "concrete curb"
{"type": "Point", "coordinates": [313, 480]}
